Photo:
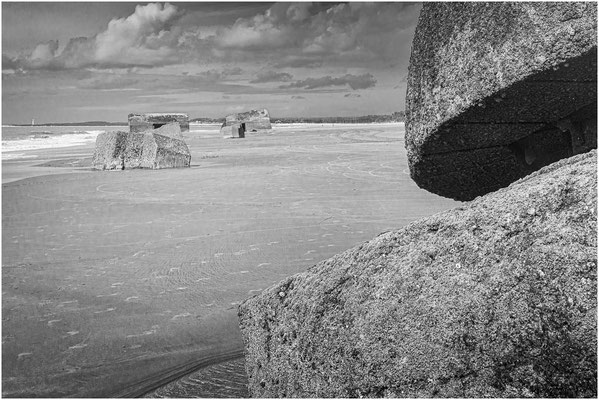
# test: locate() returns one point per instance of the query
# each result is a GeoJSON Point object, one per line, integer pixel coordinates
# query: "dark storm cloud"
{"type": "Point", "coordinates": [353, 81]}
{"type": "Point", "coordinates": [272, 76]}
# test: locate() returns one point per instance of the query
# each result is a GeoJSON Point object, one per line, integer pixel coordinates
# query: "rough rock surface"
{"type": "Point", "coordinates": [126, 150]}
{"type": "Point", "coordinates": [171, 130]}
{"type": "Point", "coordinates": [109, 150]}
{"type": "Point", "coordinates": [498, 90]}
{"type": "Point", "coordinates": [150, 150]}
{"type": "Point", "coordinates": [253, 120]}
{"type": "Point", "coordinates": [148, 121]}
{"type": "Point", "coordinates": [493, 299]}
{"type": "Point", "coordinates": [233, 131]}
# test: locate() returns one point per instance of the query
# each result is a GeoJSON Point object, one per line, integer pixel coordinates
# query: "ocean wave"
{"type": "Point", "coordinates": [43, 140]}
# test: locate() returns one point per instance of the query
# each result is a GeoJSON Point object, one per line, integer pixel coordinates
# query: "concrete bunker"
{"type": "Point", "coordinates": [233, 131]}
{"type": "Point", "coordinates": [253, 120]}
{"type": "Point", "coordinates": [148, 121]}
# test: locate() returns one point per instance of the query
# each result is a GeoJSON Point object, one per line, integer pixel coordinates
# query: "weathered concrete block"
{"type": "Point", "coordinates": [493, 299]}
{"type": "Point", "coordinates": [489, 82]}
{"type": "Point", "coordinates": [148, 121]}
{"type": "Point", "coordinates": [172, 130]}
{"type": "Point", "coordinates": [150, 150]}
{"type": "Point", "coordinates": [253, 120]}
{"type": "Point", "coordinates": [109, 150]}
{"type": "Point", "coordinates": [233, 131]}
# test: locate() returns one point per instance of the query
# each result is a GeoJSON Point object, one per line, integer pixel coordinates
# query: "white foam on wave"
{"type": "Point", "coordinates": [46, 142]}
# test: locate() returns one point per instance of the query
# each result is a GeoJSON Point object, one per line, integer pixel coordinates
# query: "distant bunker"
{"type": "Point", "coordinates": [254, 120]}
{"type": "Point", "coordinates": [147, 121]}
{"type": "Point", "coordinates": [497, 91]}
{"type": "Point", "coordinates": [232, 131]}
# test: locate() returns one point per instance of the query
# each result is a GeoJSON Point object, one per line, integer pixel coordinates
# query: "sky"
{"type": "Point", "coordinates": [91, 61]}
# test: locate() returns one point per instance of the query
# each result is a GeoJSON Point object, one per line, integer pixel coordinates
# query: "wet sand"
{"type": "Point", "coordinates": [113, 281]}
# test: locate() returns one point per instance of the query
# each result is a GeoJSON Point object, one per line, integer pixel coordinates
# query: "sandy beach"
{"type": "Point", "coordinates": [112, 280]}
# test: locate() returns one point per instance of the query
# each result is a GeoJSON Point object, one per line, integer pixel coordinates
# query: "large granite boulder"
{"type": "Point", "coordinates": [493, 299]}
{"type": "Point", "coordinates": [498, 90]}
{"type": "Point", "coordinates": [127, 150]}
{"type": "Point", "coordinates": [253, 120]}
{"type": "Point", "coordinates": [149, 121]}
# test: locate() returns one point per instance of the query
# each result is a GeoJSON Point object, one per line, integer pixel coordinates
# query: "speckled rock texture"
{"type": "Point", "coordinates": [108, 153]}
{"type": "Point", "coordinates": [126, 150]}
{"type": "Point", "coordinates": [496, 298]}
{"type": "Point", "coordinates": [498, 90]}
{"type": "Point", "coordinates": [253, 120]}
{"type": "Point", "coordinates": [151, 150]}
{"type": "Point", "coordinates": [171, 130]}
{"type": "Point", "coordinates": [143, 122]}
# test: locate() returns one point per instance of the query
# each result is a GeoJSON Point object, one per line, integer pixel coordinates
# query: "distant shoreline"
{"type": "Point", "coordinates": [367, 119]}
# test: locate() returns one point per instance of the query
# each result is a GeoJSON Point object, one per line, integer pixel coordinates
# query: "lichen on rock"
{"type": "Point", "coordinates": [496, 298]}
{"type": "Point", "coordinates": [489, 82]}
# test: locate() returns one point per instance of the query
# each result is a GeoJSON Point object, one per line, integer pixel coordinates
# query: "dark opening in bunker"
{"type": "Point", "coordinates": [156, 126]}
{"type": "Point", "coordinates": [575, 134]}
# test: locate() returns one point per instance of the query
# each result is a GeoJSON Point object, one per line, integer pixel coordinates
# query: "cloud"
{"type": "Point", "coordinates": [214, 75]}
{"type": "Point", "coordinates": [352, 95]}
{"type": "Point", "coordinates": [272, 76]}
{"type": "Point", "coordinates": [44, 51]}
{"type": "Point", "coordinates": [326, 31]}
{"type": "Point", "coordinates": [143, 38]}
{"type": "Point", "coordinates": [298, 62]}
{"type": "Point", "coordinates": [108, 82]}
{"type": "Point", "coordinates": [353, 81]}
{"type": "Point", "coordinates": [294, 35]}
{"type": "Point", "coordinates": [146, 38]}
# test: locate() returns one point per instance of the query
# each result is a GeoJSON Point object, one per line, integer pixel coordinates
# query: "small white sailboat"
{"type": "Point", "coordinates": [32, 121]}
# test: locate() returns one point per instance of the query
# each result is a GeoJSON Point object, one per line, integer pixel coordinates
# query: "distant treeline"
{"type": "Point", "coordinates": [398, 116]}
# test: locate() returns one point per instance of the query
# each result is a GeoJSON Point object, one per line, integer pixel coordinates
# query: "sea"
{"type": "Point", "coordinates": [16, 139]}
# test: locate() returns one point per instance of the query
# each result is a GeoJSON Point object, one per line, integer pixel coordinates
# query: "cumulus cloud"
{"type": "Point", "coordinates": [146, 38]}
{"type": "Point", "coordinates": [272, 76]}
{"type": "Point", "coordinates": [143, 38]}
{"type": "Point", "coordinates": [44, 51]}
{"type": "Point", "coordinates": [373, 30]}
{"type": "Point", "coordinates": [294, 35]}
{"type": "Point", "coordinates": [363, 81]}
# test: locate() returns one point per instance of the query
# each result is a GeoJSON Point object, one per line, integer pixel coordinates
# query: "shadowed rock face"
{"type": "Point", "coordinates": [489, 83]}
{"type": "Point", "coordinates": [493, 299]}
{"type": "Point", "coordinates": [149, 121]}
{"type": "Point", "coordinates": [254, 119]}
{"type": "Point", "coordinates": [126, 150]}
